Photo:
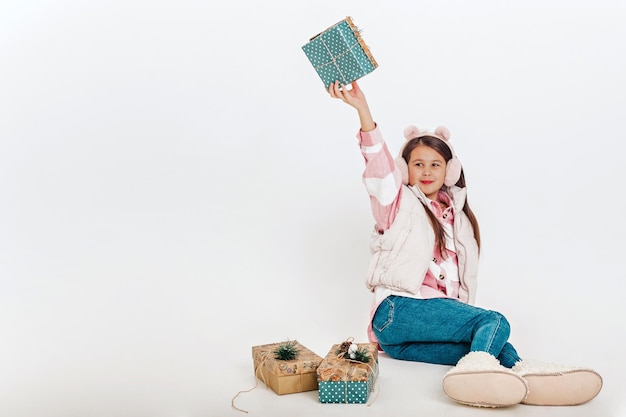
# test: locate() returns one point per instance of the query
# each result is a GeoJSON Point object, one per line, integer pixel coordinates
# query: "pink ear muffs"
{"type": "Point", "coordinates": [453, 166]}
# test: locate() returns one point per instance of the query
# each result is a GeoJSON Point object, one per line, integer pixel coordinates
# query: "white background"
{"type": "Point", "coordinates": [176, 187]}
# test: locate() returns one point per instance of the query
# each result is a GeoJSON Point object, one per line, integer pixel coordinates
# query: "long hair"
{"type": "Point", "coordinates": [444, 150]}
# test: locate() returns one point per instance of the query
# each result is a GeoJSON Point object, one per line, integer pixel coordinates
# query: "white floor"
{"type": "Point", "coordinates": [185, 370]}
{"type": "Point", "coordinates": [409, 389]}
{"type": "Point", "coordinates": [403, 389]}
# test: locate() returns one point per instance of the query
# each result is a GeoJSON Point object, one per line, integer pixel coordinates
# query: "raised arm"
{"type": "Point", "coordinates": [355, 98]}
{"type": "Point", "coordinates": [381, 177]}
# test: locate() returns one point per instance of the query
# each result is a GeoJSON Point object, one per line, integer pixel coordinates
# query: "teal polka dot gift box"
{"type": "Point", "coordinates": [342, 379]}
{"type": "Point", "coordinates": [339, 53]}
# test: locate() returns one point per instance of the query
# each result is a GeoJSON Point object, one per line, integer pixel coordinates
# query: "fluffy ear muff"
{"type": "Point", "coordinates": [453, 172]}
{"type": "Point", "coordinates": [453, 167]}
{"type": "Point", "coordinates": [443, 133]}
{"type": "Point", "coordinates": [411, 132]}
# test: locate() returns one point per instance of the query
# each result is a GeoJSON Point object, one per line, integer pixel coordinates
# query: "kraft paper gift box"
{"type": "Point", "coordinates": [339, 53]}
{"type": "Point", "coordinates": [286, 376]}
{"type": "Point", "coordinates": [346, 381]}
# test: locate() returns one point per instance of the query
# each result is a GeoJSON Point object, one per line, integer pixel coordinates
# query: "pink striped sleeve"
{"type": "Point", "coordinates": [381, 177]}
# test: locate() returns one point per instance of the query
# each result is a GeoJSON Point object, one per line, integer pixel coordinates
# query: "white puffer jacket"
{"type": "Point", "coordinates": [402, 254]}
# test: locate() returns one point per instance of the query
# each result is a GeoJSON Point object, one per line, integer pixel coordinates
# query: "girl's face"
{"type": "Point", "coordinates": [427, 170]}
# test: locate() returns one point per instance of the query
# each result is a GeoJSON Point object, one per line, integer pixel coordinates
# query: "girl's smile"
{"type": "Point", "coordinates": [427, 170]}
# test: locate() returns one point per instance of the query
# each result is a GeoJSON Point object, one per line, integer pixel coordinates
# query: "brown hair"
{"type": "Point", "coordinates": [444, 150]}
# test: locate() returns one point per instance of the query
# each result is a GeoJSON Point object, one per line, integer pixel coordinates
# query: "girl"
{"type": "Point", "coordinates": [423, 271]}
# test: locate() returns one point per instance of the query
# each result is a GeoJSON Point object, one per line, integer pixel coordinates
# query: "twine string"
{"type": "Point", "coordinates": [333, 59]}
{"type": "Point", "coordinates": [258, 376]}
{"type": "Point", "coordinates": [256, 383]}
{"type": "Point", "coordinates": [356, 31]}
{"type": "Point", "coordinates": [342, 355]}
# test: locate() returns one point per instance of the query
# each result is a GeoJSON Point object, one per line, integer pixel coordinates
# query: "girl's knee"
{"type": "Point", "coordinates": [504, 323]}
{"type": "Point", "coordinates": [500, 321]}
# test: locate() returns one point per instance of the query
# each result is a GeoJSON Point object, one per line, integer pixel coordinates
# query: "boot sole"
{"type": "Point", "coordinates": [566, 388]}
{"type": "Point", "coordinates": [485, 388]}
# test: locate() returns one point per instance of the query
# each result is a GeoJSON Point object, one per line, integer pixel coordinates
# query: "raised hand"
{"type": "Point", "coordinates": [354, 97]}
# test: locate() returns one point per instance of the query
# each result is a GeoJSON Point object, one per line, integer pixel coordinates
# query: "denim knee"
{"type": "Point", "coordinates": [503, 327]}
{"type": "Point", "coordinates": [500, 330]}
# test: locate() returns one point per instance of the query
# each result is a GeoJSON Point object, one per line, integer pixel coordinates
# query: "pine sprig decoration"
{"type": "Point", "coordinates": [287, 351]}
{"type": "Point", "coordinates": [361, 355]}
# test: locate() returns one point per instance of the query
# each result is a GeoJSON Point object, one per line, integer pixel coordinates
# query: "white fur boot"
{"type": "Point", "coordinates": [551, 384]}
{"type": "Point", "coordinates": [478, 379]}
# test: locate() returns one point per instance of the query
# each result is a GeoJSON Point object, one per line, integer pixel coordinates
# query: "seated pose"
{"type": "Point", "coordinates": [422, 274]}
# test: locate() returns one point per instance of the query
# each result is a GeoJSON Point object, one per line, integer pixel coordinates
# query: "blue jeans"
{"type": "Point", "coordinates": [440, 330]}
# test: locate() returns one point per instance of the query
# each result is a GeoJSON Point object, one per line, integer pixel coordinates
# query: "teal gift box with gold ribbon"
{"type": "Point", "coordinates": [343, 380]}
{"type": "Point", "coordinates": [339, 53]}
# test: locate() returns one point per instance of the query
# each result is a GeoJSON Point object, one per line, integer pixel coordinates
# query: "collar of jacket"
{"type": "Point", "coordinates": [457, 195]}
